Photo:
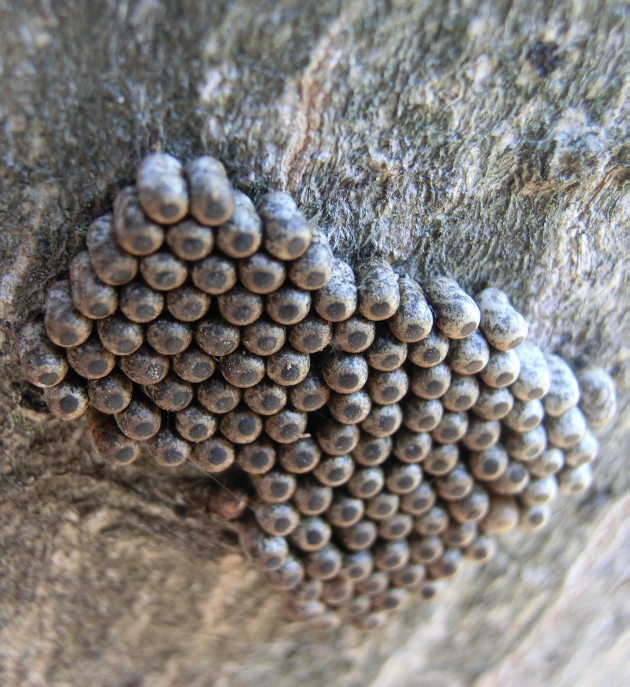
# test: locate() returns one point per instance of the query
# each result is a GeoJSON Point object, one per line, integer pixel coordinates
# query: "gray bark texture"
{"type": "Point", "coordinates": [483, 140]}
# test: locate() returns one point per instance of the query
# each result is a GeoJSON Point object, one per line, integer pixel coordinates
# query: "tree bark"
{"type": "Point", "coordinates": [483, 140]}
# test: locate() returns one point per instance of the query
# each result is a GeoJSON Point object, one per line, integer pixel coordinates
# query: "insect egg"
{"type": "Point", "coordinates": [413, 319]}
{"type": "Point", "coordinates": [162, 188]}
{"type": "Point", "coordinates": [369, 432]}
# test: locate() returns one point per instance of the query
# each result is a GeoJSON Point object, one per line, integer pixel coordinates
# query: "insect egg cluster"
{"type": "Point", "coordinates": [385, 431]}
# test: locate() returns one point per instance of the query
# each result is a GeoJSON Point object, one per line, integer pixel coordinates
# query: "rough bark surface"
{"type": "Point", "coordinates": [483, 140]}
